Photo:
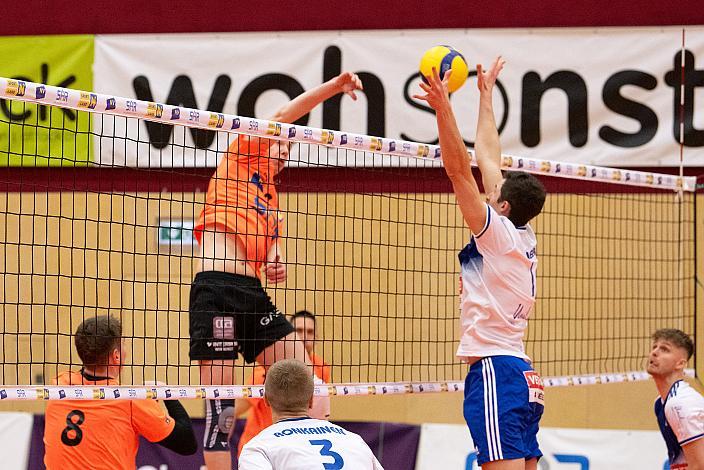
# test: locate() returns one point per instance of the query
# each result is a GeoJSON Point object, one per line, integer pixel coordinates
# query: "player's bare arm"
{"type": "Point", "coordinates": [454, 153]}
{"type": "Point", "coordinates": [346, 82]}
{"type": "Point", "coordinates": [694, 452]}
{"type": "Point", "coordinates": [488, 147]}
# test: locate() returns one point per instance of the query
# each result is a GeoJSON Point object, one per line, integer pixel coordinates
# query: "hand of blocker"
{"type": "Point", "coordinates": [275, 270]}
{"type": "Point", "coordinates": [348, 82]}
{"type": "Point", "coordinates": [487, 78]}
{"type": "Point", "coordinates": [436, 94]}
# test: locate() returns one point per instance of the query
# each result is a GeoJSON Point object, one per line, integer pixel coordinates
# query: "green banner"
{"type": "Point", "coordinates": [34, 135]}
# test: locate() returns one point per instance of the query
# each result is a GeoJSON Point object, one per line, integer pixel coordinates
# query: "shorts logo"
{"type": "Point", "coordinates": [224, 328]}
{"type": "Point", "coordinates": [536, 391]}
{"type": "Point", "coordinates": [266, 319]}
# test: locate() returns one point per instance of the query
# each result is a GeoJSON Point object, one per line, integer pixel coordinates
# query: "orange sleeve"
{"type": "Point", "coordinates": [151, 420]}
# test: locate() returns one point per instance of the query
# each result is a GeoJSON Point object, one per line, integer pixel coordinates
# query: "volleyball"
{"type": "Point", "coordinates": [444, 58]}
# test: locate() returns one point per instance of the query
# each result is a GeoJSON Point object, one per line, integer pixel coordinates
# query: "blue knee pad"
{"type": "Point", "coordinates": [219, 420]}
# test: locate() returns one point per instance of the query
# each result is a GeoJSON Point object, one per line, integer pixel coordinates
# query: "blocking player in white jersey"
{"type": "Point", "coordinates": [296, 441]}
{"type": "Point", "coordinates": [503, 394]}
{"type": "Point", "coordinates": [679, 408]}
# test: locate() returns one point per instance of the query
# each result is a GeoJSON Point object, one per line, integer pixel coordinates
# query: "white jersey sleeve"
{"type": "Point", "coordinates": [496, 238]}
{"type": "Point", "coordinates": [684, 411]}
{"type": "Point", "coordinates": [253, 458]}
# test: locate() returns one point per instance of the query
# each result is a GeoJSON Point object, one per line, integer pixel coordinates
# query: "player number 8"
{"type": "Point", "coordinates": [74, 426]}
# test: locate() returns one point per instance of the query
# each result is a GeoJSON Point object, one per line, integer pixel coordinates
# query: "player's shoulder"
{"type": "Point", "coordinates": [150, 408]}
{"type": "Point", "coordinates": [68, 377]}
{"type": "Point", "coordinates": [524, 232]}
{"type": "Point", "coordinates": [681, 393]}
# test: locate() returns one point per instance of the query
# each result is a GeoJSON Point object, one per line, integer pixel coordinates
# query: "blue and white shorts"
{"type": "Point", "coordinates": [503, 404]}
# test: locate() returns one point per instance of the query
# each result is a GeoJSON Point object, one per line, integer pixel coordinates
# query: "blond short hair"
{"type": "Point", "coordinates": [289, 386]}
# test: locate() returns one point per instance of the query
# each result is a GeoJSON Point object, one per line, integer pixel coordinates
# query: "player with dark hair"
{"type": "Point", "coordinates": [104, 434]}
{"type": "Point", "coordinates": [259, 416]}
{"type": "Point", "coordinates": [504, 396]}
{"type": "Point", "coordinates": [679, 408]}
{"type": "Point", "coordinates": [238, 234]}
{"type": "Point", "coordinates": [295, 441]}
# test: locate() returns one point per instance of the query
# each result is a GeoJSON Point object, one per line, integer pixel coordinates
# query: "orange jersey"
{"type": "Point", "coordinates": [259, 416]}
{"type": "Point", "coordinates": [242, 199]}
{"type": "Point", "coordinates": [99, 434]}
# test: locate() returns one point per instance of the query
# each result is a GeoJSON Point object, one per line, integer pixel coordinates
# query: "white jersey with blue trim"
{"type": "Point", "coordinates": [681, 420]}
{"type": "Point", "coordinates": [498, 288]}
{"type": "Point", "coordinates": [307, 444]}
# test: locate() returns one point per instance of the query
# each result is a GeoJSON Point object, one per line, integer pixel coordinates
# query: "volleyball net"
{"type": "Point", "coordinates": [100, 195]}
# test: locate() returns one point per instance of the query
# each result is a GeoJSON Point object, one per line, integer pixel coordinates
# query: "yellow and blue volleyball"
{"type": "Point", "coordinates": [444, 58]}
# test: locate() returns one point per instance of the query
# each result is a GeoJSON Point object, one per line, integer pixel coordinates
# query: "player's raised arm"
{"type": "Point", "coordinates": [454, 153]}
{"type": "Point", "coordinates": [346, 82]}
{"type": "Point", "coordinates": [488, 147]}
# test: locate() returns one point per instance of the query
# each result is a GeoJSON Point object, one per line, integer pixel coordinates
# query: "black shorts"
{"type": "Point", "coordinates": [231, 314]}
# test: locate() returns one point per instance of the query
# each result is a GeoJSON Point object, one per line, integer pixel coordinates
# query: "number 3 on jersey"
{"type": "Point", "coordinates": [338, 463]}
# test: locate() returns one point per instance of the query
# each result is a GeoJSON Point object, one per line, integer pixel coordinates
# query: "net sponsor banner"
{"type": "Point", "coordinates": [601, 96]}
{"type": "Point", "coordinates": [52, 136]}
{"type": "Point", "coordinates": [450, 447]}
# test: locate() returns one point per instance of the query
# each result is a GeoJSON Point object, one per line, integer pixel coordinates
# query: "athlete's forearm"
{"type": "Point", "coordinates": [182, 440]}
{"type": "Point", "coordinates": [487, 146]}
{"type": "Point", "coordinates": [305, 102]}
{"type": "Point", "coordinates": [454, 153]}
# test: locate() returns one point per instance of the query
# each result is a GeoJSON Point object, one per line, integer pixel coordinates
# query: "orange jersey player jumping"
{"type": "Point", "coordinates": [99, 434]}
{"type": "Point", "coordinates": [259, 416]}
{"type": "Point", "coordinates": [238, 232]}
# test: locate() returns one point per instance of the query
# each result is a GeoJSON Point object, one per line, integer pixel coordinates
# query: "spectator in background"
{"type": "Point", "coordinates": [259, 416]}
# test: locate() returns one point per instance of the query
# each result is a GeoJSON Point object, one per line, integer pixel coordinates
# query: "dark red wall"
{"type": "Point", "coordinates": [155, 16]}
